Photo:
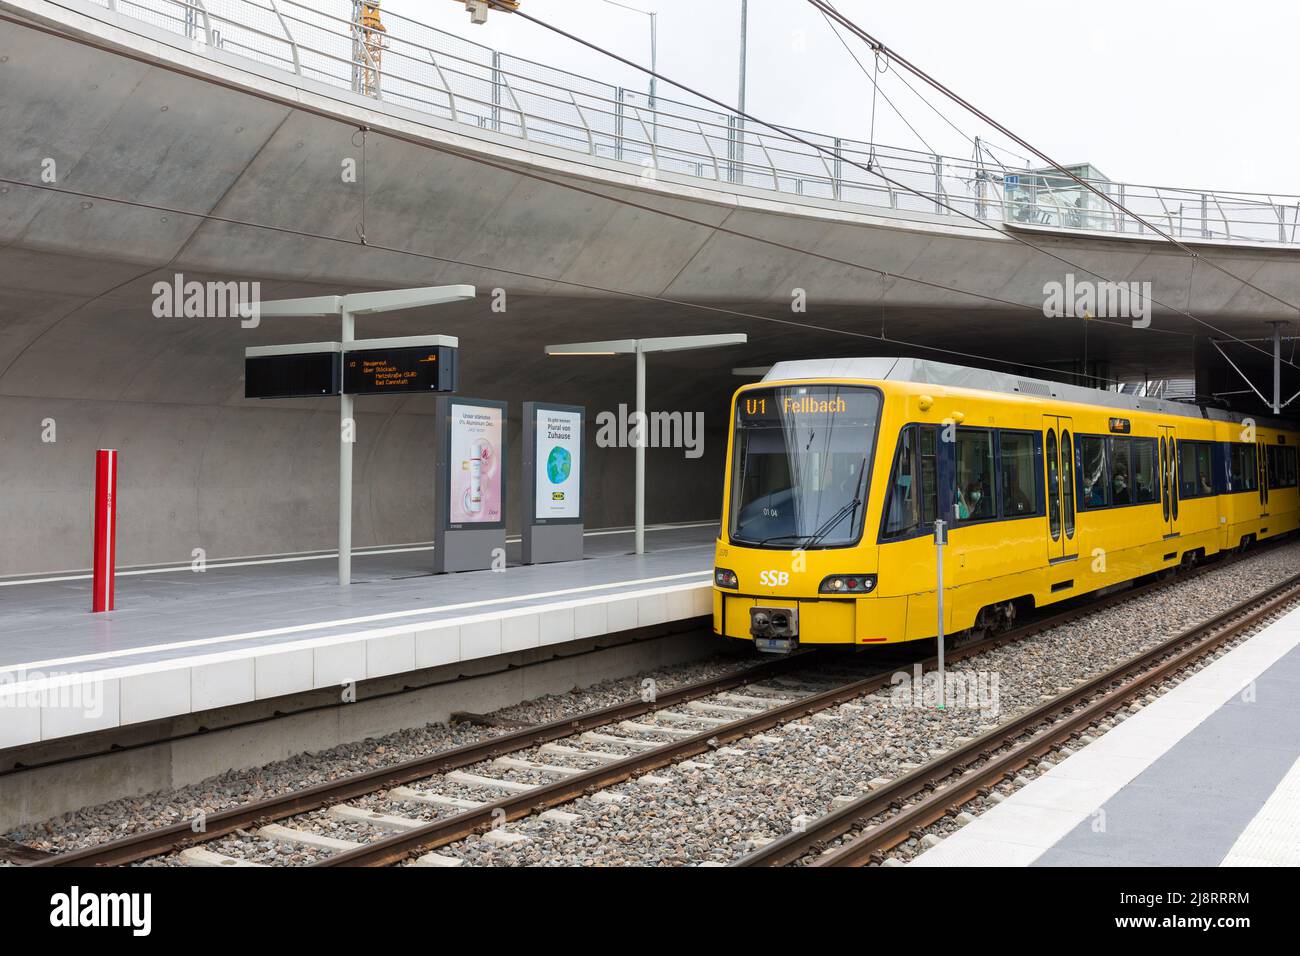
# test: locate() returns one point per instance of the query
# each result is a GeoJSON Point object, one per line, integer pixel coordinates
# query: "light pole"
{"type": "Point", "coordinates": [738, 122]}
{"type": "Point", "coordinates": [640, 348]}
{"type": "Point", "coordinates": [348, 307]}
{"type": "Point", "coordinates": [654, 57]}
{"type": "Point", "coordinates": [744, 49]}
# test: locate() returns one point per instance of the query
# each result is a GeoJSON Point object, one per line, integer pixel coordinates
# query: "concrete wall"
{"type": "Point", "coordinates": [201, 467]}
{"type": "Point", "coordinates": [129, 120]}
{"type": "Point", "coordinates": [42, 781]}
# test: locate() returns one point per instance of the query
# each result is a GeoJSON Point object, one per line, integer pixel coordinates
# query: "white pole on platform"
{"type": "Point", "coordinates": [640, 348]}
{"type": "Point", "coordinates": [348, 307]}
{"type": "Point", "coordinates": [347, 436]}
{"type": "Point", "coordinates": [940, 539]}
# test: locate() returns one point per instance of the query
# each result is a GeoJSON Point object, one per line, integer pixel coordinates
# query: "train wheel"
{"type": "Point", "coordinates": [991, 621]}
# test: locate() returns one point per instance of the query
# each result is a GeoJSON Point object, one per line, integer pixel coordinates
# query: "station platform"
{"type": "Point", "coordinates": [182, 642]}
{"type": "Point", "coordinates": [1206, 775]}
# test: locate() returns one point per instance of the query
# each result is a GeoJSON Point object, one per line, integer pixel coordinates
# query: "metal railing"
{"type": "Point", "coordinates": [417, 66]}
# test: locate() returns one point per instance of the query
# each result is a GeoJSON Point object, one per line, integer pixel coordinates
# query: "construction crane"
{"type": "Point", "coordinates": [368, 45]}
{"type": "Point", "coordinates": [478, 9]}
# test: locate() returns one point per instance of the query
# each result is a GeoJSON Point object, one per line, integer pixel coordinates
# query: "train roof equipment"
{"type": "Point", "coordinates": [925, 372]}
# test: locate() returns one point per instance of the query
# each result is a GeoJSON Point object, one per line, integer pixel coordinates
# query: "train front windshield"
{"type": "Point", "coordinates": [802, 457]}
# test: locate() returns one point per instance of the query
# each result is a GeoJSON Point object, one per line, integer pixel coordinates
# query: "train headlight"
{"type": "Point", "coordinates": [848, 584]}
{"type": "Point", "coordinates": [725, 579]}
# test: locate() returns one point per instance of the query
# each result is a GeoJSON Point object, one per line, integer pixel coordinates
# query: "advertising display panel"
{"type": "Point", "coordinates": [476, 466]}
{"type": "Point", "coordinates": [557, 464]}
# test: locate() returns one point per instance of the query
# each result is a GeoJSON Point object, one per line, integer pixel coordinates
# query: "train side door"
{"type": "Point", "coordinates": [1058, 451]}
{"type": "Point", "coordinates": [1169, 480]}
{"type": "Point", "coordinates": [1261, 464]}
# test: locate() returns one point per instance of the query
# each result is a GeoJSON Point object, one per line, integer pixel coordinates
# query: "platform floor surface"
{"type": "Point", "coordinates": [1207, 774]}
{"type": "Point", "coordinates": [167, 613]}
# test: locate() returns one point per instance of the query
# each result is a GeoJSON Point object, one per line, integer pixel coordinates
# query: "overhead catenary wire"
{"type": "Point", "coordinates": [903, 79]}
{"type": "Point", "coordinates": [836, 154]}
{"type": "Point", "coordinates": [519, 171]}
{"type": "Point", "coordinates": [876, 45]}
{"type": "Point", "coordinates": [872, 75]}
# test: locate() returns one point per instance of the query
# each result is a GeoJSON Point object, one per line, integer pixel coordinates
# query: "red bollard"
{"type": "Point", "coordinates": [105, 528]}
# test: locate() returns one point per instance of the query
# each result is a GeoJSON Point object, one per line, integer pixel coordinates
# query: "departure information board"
{"type": "Point", "coordinates": [400, 370]}
{"type": "Point", "coordinates": [292, 375]}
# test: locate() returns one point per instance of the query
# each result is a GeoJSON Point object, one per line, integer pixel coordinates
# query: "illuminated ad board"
{"type": "Point", "coordinates": [557, 463]}
{"type": "Point", "coordinates": [476, 464]}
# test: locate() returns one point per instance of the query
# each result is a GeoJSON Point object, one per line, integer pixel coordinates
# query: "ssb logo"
{"type": "Point", "coordinates": [557, 495]}
{"type": "Point", "coordinates": [774, 579]}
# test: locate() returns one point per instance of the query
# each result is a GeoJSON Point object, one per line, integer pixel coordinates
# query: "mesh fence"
{"type": "Point", "coordinates": [426, 69]}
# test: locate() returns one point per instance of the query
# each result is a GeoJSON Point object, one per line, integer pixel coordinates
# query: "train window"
{"type": "Point", "coordinates": [1173, 478]}
{"type": "Point", "coordinates": [1067, 482]}
{"type": "Point", "coordinates": [913, 500]}
{"type": "Point", "coordinates": [1281, 467]}
{"type": "Point", "coordinates": [1263, 480]}
{"type": "Point", "coordinates": [973, 499]}
{"type": "Point", "coordinates": [902, 511]}
{"type": "Point", "coordinates": [1186, 470]}
{"type": "Point", "coordinates": [1285, 467]}
{"type": "Point", "coordinates": [1121, 475]}
{"type": "Point", "coordinates": [1019, 478]}
{"type": "Point", "coordinates": [1241, 467]}
{"type": "Point", "coordinates": [1053, 486]}
{"type": "Point", "coordinates": [929, 495]}
{"type": "Point", "coordinates": [1142, 459]}
{"type": "Point", "coordinates": [801, 463]}
{"type": "Point", "coordinates": [1164, 478]}
{"type": "Point", "coordinates": [1094, 487]}
{"type": "Point", "coordinates": [1194, 469]}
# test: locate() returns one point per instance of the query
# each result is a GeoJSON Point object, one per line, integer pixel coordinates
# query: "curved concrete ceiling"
{"type": "Point", "coordinates": [169, 161]}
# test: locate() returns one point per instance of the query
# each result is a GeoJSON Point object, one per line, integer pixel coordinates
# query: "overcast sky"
{"type": "Point", "coordinates": [1173, 92]}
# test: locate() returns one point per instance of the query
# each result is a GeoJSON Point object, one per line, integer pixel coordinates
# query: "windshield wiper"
{"type": "Point", "coordinates": [849, 507]}
{"type": "Point", "coordinates": [834, 519]}
{"type": "Point", "coordinates": [782, 537]}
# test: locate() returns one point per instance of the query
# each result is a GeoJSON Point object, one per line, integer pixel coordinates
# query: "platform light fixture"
{"type": "Point", "coordinates": [348, 307]}
{"type": "Point", "coordinates": [641, 348]}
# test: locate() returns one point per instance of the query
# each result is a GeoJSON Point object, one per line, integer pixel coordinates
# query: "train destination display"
{"type": "Point", "coordinates": [399, 370]}
{"type": "Point", "coordinates": [281, 372]}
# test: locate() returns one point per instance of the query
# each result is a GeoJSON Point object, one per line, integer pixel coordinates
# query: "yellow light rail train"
{"type": "Point", "coordinates": [838, 469]}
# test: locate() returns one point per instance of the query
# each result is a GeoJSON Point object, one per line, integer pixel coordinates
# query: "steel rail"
{"type": "Point", "coordinates": [181, 835]}
{"type": "Point", "coordinates": [1096, 698]}
{"type": "Point", "coordinates": [394, 849]}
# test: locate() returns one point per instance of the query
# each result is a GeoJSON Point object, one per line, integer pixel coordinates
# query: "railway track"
{"type": "Point", "coordinates": [695, 719]}
{"type": "Point", "coordinates": [902, 808]}
{"type": "Point", "coordinates": [184, 835]}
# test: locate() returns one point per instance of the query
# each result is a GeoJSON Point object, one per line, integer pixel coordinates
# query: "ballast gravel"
{"type": "Point", "coordinates": [110, 821]}
{"type": "Point", "coordinates": [726, 802]}
{"type": "Point", "coordinates": [715, 815]}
